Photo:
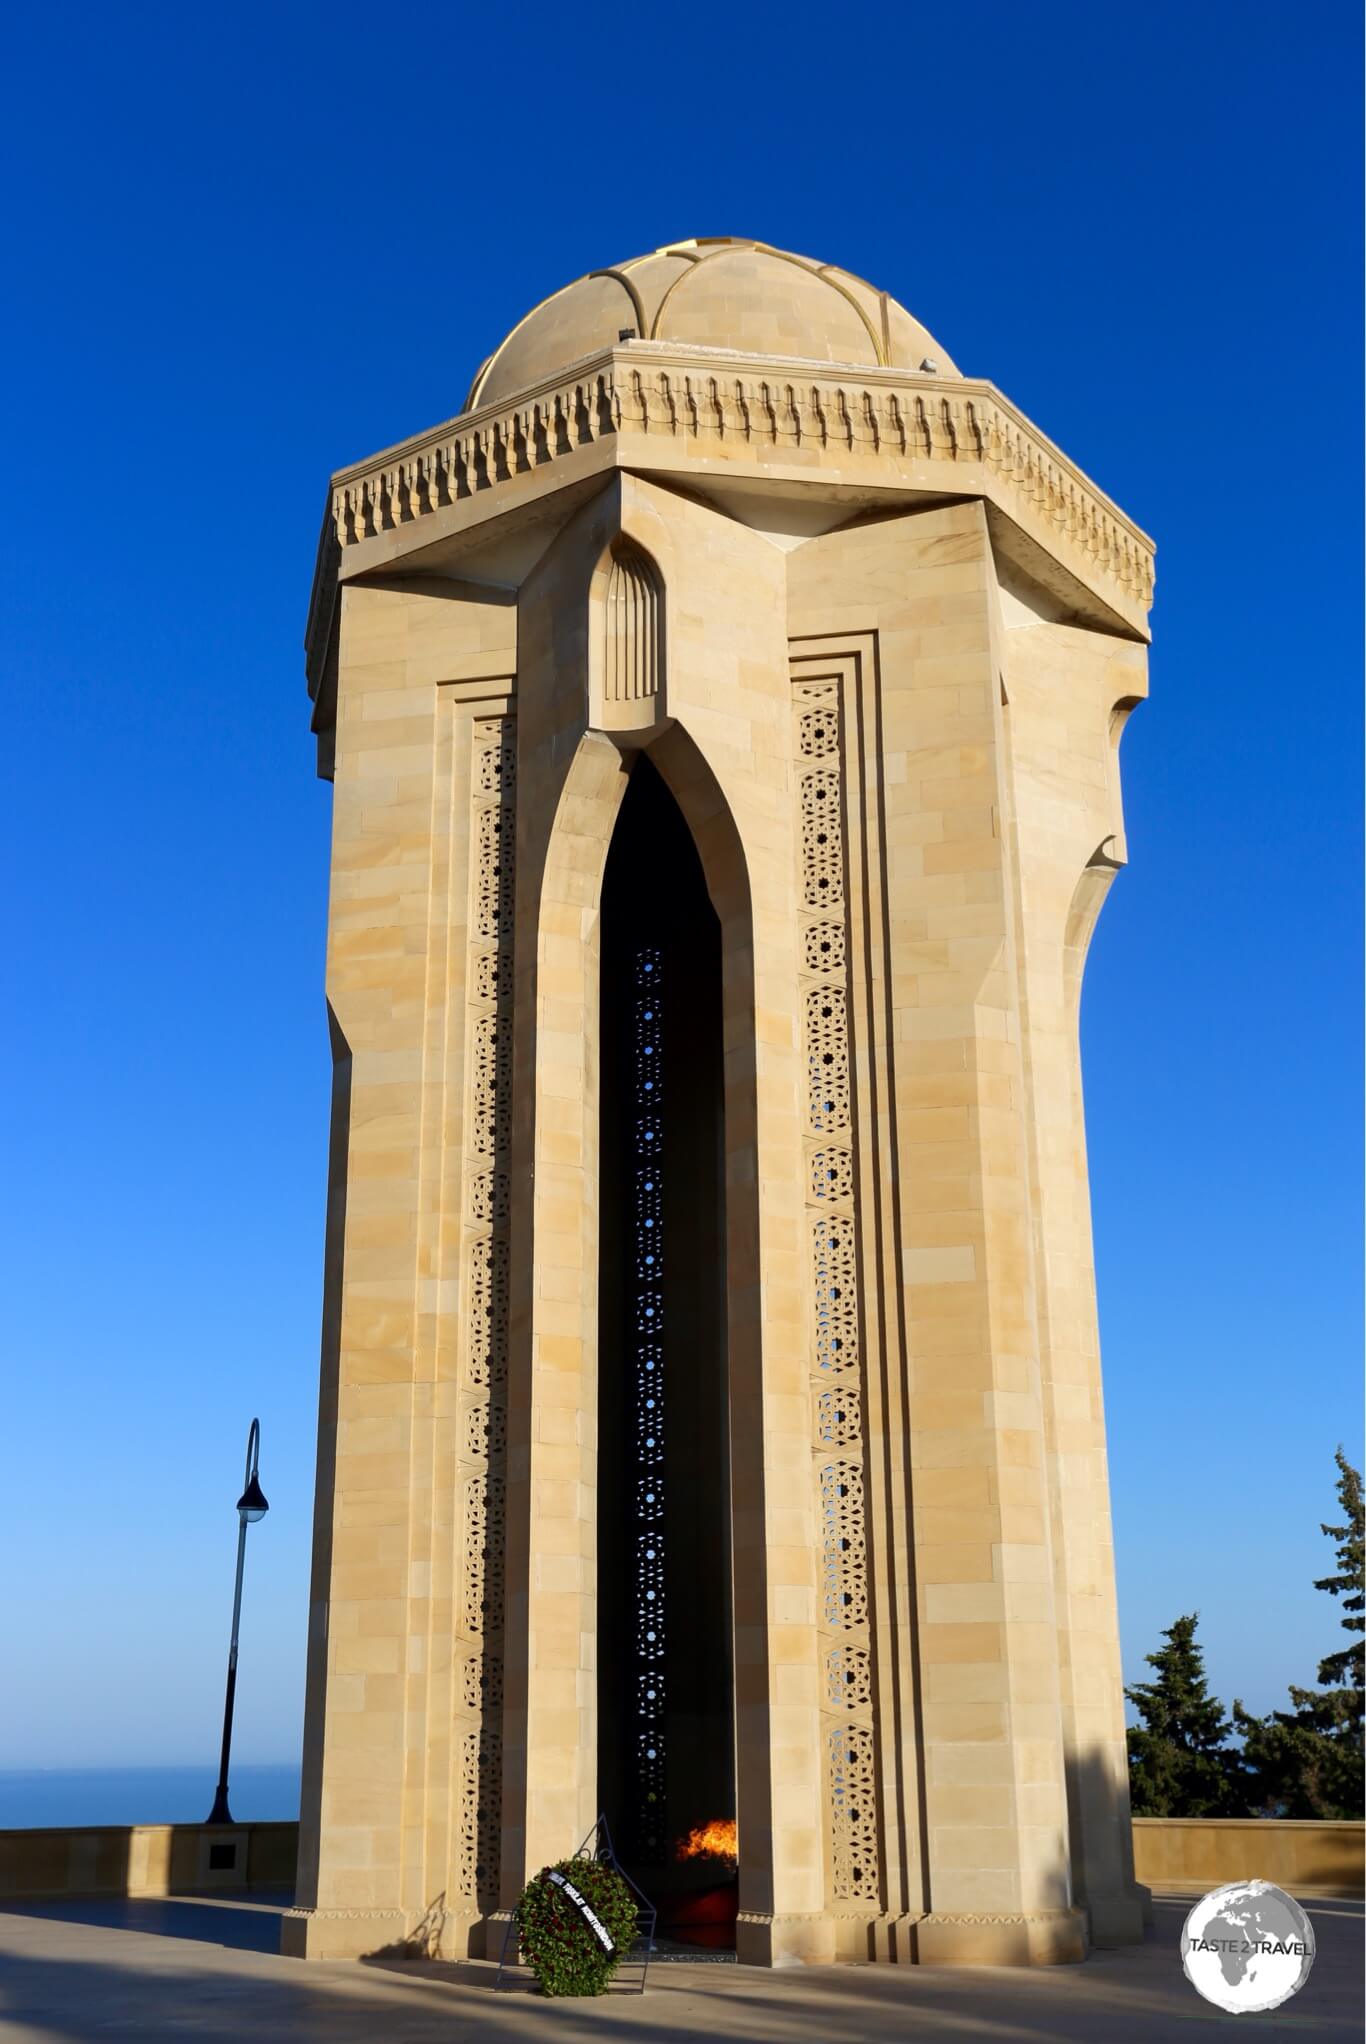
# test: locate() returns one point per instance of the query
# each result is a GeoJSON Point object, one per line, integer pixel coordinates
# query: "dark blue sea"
{"type": "Point", "coordinates": [34, 1797]}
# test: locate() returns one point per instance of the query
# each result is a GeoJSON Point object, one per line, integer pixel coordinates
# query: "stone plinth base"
{"type": "Point", "coordinates": [388, 1933]}
{"type": "Point", "coordinates": [1119, 1919]}
{"type": "Point", "coordinates": [887, 1940]}
{"type": "Point", "coordinates": [340, 1933]}
{"type": "Point", "coordinates": [762, 1940]}
{"type": "Point", "coordinates": [1046, 1937]}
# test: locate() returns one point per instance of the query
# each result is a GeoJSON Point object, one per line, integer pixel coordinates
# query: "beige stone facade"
{"type": "Point", "coordinates": [738, 513]}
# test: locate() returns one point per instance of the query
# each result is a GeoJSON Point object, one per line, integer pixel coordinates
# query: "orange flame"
{"type": "Point", "coordinates": [717, 1839]}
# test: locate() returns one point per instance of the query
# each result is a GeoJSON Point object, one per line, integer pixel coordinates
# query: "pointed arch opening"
{"type": "Point", "coordinates": [666, 1733]}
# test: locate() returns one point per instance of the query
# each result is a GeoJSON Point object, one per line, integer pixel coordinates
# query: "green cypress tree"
{"type": "Point", "coordinates": [1307, 1762]}
{"type": "Point", "coordinates": [1179, 1764]}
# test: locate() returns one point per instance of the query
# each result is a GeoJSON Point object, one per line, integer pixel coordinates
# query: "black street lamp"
{"type": "Point", "coordinates": [251, 1505]}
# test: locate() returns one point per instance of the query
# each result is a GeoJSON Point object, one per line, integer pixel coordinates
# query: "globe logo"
{"type": "Point", "coordinates": [1247, 1947]}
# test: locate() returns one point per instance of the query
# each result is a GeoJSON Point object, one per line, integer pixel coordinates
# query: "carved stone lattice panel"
{"type": "Point", "coordinates": [827, 1060]}
{"type": "Point", "coordinates": [481, 1804]}
{"type": "Point", "coordinates": [496, 768]}
{"type": "Point", "coordinates": [823, 947]}
{"type": "Point", "coordinates": [818, 728]}
{"type": "Point", "coordinates": [839, 1419]}
{"type": "Point", "coordinates": [492, 1058]}
{"type": "Point", "coordinates": [853, 1813]}
{"type": "Point", "coordinates": [848, 1677]}
{"type": "Point", "coordinates": [844, 1575]}
{"type": "Point", "coordinates": [483, 1585]}
{"type": "Point", "coordinates": [832, 1173]}
{"type": "Point", "coordinates": [492, 975]}
{"type": "Point", "coordinates": [485, 1431]}
{"type": "Point", "coordinates": [488, 1296]}
{"type": "Point", "coordinates": [822, 851]}
{"type": "Point", "coordinates": [482, 1431]}
{"type": "Point", "coordinates": [481, 1683]}
{"type": "Point", "coordinates": [827, 950]}
{"type": "Point", "coordinates": [489, 1196]}
{"type": "Point", "coordinates": [494, 868]}
{"type": "Point", "coordinates": [835, 1270]}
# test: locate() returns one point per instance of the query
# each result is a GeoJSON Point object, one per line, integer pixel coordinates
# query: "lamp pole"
{"type": "Point", "coordinates": [250, 1507]}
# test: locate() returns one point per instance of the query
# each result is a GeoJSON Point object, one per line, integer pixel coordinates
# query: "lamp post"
{"type": "Point", "coordinates": [250, 1506]}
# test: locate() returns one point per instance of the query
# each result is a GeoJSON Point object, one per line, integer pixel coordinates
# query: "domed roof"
{"type": "Point", "coordinates": [720, 293]}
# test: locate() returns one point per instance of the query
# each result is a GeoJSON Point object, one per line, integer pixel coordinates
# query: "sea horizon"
{"type": "Point", "coordinates": [40, 1798]}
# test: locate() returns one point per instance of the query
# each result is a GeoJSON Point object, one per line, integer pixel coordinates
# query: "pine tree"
{"type": "Point", "coordinates": [1179, 1764]}
{"type": "Point", "coordinates": [1349, 1584]}
{"type": "Point", "coordinates": [1307, 1762]}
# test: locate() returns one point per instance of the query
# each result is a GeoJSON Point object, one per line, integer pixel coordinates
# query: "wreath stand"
{"type": "Point", "coordinates": [598, 1846]}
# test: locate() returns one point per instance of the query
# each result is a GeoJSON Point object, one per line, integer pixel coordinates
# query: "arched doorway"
{"type": "Point", "coordinates": [666, 1739]}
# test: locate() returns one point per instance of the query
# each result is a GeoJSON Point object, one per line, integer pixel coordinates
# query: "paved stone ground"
{"type": "Point", "coordinates": [206, 1969]}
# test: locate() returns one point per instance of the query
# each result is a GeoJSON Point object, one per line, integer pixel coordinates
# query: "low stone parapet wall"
{"type": "Point", "coordinates": [145, 1859]}
{"type": "Point", "coordinates": [1175, 1854]}
{"type": "Point", "coordinates": [1195, 1854]}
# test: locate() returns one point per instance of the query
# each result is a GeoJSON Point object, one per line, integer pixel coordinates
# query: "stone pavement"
{"type": "Point", "coordinates": [205, 1969]}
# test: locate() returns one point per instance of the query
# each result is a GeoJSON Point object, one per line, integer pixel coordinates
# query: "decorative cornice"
{"type": "Point", "coordinates": [790, 420]}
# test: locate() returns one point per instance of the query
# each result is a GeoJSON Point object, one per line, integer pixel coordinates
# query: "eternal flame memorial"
{"type": "Point", "coordinates": [723, 712]}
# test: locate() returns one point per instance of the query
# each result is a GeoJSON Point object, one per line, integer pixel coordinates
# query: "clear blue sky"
{"type": "Point", "coordinates": [246, 246]}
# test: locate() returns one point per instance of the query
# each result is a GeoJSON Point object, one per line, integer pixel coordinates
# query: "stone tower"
{"type": "Point", "coordinates": [723, 712]}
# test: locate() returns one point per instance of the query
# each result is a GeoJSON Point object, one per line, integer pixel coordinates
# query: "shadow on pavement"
{"type": "Point", "coordinates": [67, 1974]}
{"type": "Point", "coordinates": [244, 1923]}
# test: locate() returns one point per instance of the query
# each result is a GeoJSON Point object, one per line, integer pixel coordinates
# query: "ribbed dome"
{"type": "Point", "coordinates": [712, 294]}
